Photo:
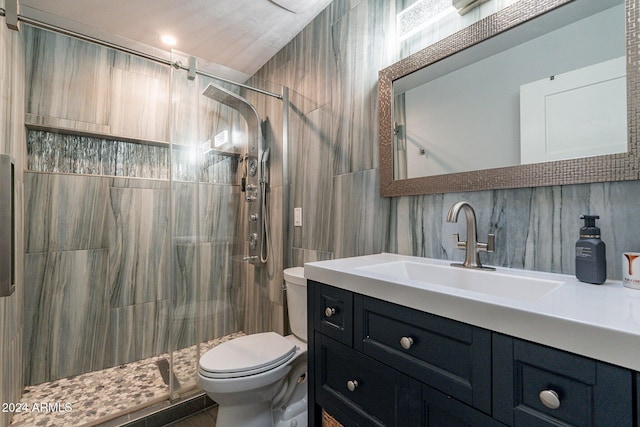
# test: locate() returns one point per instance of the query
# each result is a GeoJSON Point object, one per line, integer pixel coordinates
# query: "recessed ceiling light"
{"type": "Point", "coordinates": [168, 40]}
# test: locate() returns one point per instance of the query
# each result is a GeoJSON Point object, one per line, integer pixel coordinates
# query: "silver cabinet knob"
{"type": "Point", "coordinates": [406, 342]}
{"type": "Point", "coordinates": [550, 399]}
{"type": "Point", "coordinates": [352, 385]}
{"type": "Point", "coordinates": [329, 311]}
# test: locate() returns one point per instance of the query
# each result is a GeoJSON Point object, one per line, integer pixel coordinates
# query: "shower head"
{"type": "Point", "coordinates": [232, 100]}
{"type": "Point", "coordinates": [244, 107]}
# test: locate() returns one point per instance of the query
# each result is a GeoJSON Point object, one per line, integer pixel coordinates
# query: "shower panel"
{"type": "Point", "coordinates": [255, 160]}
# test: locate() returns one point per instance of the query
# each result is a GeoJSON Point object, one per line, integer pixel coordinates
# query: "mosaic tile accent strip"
{"type": "Point", "coordinates": [95, 397]}
{"type": "Point", "coordinates": [61, 153]}
{"type": "Point", "coordinates": [87, 155]}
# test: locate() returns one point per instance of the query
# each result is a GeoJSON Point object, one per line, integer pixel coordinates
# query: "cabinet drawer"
{"type": "Point", "coordinates": [333, 312]}
{"type": "Point", "coordinates": [370, 392]}
{"type": "Point", "coordinates": [587, 393]}
{"type": "Point", "coordinates": [439, 410]}
{"type": "Point", "coordinates": [447, 355]}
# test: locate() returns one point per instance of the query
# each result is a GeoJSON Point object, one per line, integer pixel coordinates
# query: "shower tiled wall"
{"type": "Point", "coordinates": [332, 68]}
{"type": "Point", "coordinates": [98, 270]}
{"type": "Point", "coordinates": [85, 87]}
{"type": "Point", "coordinates": [98, 203]}
{"type": "Point", "coordinates": [12, 86]}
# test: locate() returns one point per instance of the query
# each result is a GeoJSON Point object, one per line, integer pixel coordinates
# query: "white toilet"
{"type": "Point", "coordinates": [259, 380]}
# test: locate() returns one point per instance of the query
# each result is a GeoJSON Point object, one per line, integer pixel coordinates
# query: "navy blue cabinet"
{"type": "Point", "coordinates": [374, 363]}
{"type": "Point", "coordinates": [379, 364]}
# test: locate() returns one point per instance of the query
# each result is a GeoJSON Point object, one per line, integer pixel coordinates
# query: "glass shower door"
{"type": "Point", "coordinates": [207, 143]}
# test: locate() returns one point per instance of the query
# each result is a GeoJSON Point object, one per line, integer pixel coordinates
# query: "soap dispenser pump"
{"type": "Point", "coordinates": [591, 262]}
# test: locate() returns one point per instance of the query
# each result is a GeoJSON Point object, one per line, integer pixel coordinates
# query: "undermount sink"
{"type": "Point", "coordinates": [502, 283]}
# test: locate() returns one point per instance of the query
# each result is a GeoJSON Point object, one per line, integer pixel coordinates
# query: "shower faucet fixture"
{"type": "Point", "coordinates": [255, 179]}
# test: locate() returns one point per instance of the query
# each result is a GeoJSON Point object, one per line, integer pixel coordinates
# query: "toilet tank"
{"type": "Point", "coordinates": [296, 286]}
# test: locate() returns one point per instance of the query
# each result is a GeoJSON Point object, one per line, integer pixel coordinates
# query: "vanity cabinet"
{"type": "Point", "coordinates": [381, 364]}
{"type": "Point", "coordinates": [375, 363]}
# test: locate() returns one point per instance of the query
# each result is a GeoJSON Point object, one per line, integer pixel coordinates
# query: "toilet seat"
{"type": "Point", "coordinates": [247, 355]}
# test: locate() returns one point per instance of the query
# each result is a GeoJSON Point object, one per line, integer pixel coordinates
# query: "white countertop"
{"type": "Point", "coordinates": [598, 321]}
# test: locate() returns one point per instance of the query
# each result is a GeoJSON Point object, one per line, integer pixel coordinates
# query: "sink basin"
{"type": "Point", "coordinates": [497, 283]}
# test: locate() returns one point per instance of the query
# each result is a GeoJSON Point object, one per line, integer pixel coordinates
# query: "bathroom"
{"type": "Point", "coordinates": [331, 70]}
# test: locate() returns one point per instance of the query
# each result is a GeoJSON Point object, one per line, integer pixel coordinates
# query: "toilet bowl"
{"type": "Point", "coordinates": [259, 380]}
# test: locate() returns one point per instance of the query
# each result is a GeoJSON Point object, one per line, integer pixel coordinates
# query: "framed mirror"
{"type": "Point", "coordinates": [540, 93]}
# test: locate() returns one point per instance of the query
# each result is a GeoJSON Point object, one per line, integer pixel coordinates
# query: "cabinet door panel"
{"type": "Point", "coordinates": [588, 393]}
{"type": "Point", "coordinates": [449, 356]}
{"type": "Point", "coordinates": [377, 394]}
{"type": "Point", "coordinates": [333, 312]}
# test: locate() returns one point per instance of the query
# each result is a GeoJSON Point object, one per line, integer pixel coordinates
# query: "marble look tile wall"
{"type": "Point", "coordinates": [361, 218]}
{"type": "Point", "coordinates": [93, 89]}
{"type": "Point", "coordinates": [309, 145]}
{"type": "Point", "coordinates": [359, 45]}
{"type": "Point", "coordinates": [98, 257]}
{"type": "Point", "coordinates": [67, 307]}
{"type": "Point", "coordinates": [47, 195]}
{"type": "Point", "coordinates": [139, 242]}
{"type": "Point", "coordinates": [332, 68]}
{"type": "Point", "coordinates": [12, 87]}
{"type": "Point", "coordinates": [536, 228]}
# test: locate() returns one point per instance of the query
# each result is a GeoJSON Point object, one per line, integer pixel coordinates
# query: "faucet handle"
{"type": "Point", "coordinates": [491, 242]}
{"type": "Point", "coordinates": [489, 246]}
{"type": "Point", "coordinates": [459, 244]}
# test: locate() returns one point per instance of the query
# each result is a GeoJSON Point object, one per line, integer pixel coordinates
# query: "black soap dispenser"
{"type": "Point", "coordinates": [591, 262]}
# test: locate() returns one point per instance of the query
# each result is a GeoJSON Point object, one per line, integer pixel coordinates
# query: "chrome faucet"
{"type": "Point", "coordinates": [471, 246]}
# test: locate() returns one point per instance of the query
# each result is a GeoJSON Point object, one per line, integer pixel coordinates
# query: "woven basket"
{"type": "Point", "coordinates": [329, 421]}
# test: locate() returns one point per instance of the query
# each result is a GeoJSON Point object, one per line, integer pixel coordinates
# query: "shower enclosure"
{"type": "Point", "coordinates": [146, 243]}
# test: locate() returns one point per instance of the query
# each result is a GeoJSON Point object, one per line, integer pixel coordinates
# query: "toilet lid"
{"type": "Point", "coordinates": [247, 355]}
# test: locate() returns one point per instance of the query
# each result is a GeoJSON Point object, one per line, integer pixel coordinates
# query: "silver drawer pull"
{"type": "Point", "coordinates": [329, 311]}
{"type": "Point", "coordinates": [406, 342]}
{"type": "Point", "coordinates": [352, 385]}
{"type": "Point", "coordinates": [550, 399]}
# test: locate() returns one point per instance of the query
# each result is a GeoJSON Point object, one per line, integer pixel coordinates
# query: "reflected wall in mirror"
{"type": "Point", "coordinates": [536, 94]}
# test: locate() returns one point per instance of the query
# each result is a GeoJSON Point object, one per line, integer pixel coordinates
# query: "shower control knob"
{"type": "Point", "coordinates": [329, 311]}
{"type": "Point", "coordinates": [253, 167]}
{"type": "Point", "coordinates": [352, 385]}
{"type": "Point", "coordinates": [251, 198]}
{"type": "Point", "coordinates": [251, 187]}
{"type": "Point", "coordinates": [253, 217]}
{"type": "Point", "coordinates": [406, 342]}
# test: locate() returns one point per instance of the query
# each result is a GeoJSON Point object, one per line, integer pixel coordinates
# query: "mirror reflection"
{"type": "Point", "coordinates": [551, 89]}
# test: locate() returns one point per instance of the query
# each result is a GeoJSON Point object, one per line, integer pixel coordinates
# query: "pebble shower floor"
{"type": "Point", "coordinates": [96, 397]}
